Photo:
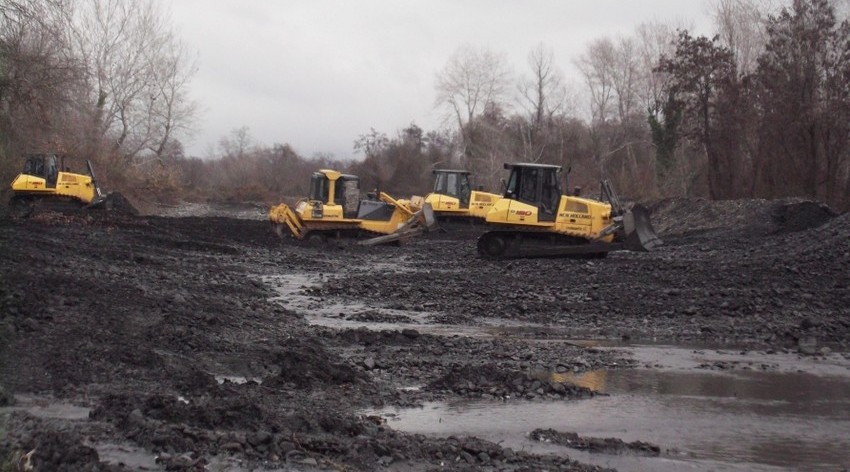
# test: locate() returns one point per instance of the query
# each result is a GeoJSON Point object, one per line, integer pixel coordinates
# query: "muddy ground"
{"type": "Point", "coordinates": [170, 337]}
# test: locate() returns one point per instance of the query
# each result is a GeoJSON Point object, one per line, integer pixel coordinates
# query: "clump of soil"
{"type": "Point", "coordinates": [491, 381]}
{"type": "Point", "coordinates": [306, 365]}
{"type": "Point", "coordinates": [45, 449]}
{"type": "Point", "coordinates": [600, 445]}
{"type": "Point", "coordinates": [117, 203]}
{"type": "Point", "coordinates": [800, 216]}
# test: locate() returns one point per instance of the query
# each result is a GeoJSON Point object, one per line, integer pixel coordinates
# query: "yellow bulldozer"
{"type": "Point", "coordinates": [535, 219]}
{"type": "Point", "coordinates": [46, 182]}
{"type": "Point", "coordinates": [335, 210]}
{"type": "Point", "coordinates": [453, 198]}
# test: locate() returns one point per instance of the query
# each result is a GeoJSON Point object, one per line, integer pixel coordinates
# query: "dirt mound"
{"type": "Point", "coordinates": [825, 245]}
{"type": "Point", "coordinates": [800, 216]}
{"type": "Point", "coordinates": [306, 364]}
{"type": "Point", "coordinates": [48, 450]}
{"type": "Point", "coordinates": [381, 338]}
{"type": "Point", "coordinates": [210, 412]}
{"type": "Point", "coordinates": [744, 218]}
{"type": "Point", "coordinates": [117, 203]}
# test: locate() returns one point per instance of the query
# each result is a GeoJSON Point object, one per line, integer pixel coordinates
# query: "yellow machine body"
{"type": "Point", "coordinates": [453, 197]}
{"type": "Point", "coordinates": [535, 219]}
{"type": "Point", "coordinates": [43, 177]}
{"type": "Point", "coordinates": [335, 209]}
{"type": "Point", "coordinates": [446, 205]}
{"type": "Point", "coordinates": [575, 216]}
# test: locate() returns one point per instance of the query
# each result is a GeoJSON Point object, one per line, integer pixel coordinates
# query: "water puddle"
{"type": "Point", "coordinates": [294, 293]}
{"type": "Point", "coordinates": [137, 458]}
{"type": "Point", "coordinates": [47, 408]}
{"type": "Point", "coordinates": [707, 407]}
{"type": "Point", "coordinates": [236, 379]}
{"type": "Point", "coordinates": [746, 419]}
{"type": "Point", "coordinates": [131, 457]}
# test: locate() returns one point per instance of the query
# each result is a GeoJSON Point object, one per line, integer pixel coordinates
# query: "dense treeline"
{"type": "Point", "coordinates": [779, 130]}
{"type": "Point", "coordinates": [759, 110]}
{"type": "Point", "coordinates": [100, 79]}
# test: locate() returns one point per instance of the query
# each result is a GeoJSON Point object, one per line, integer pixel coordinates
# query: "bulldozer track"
{"type": "Point", "coordinates": [327, 233]}
{"type": "Point", "coordinates": [522, 242]}
{"type": "Point", "coordinates": [26, 206]}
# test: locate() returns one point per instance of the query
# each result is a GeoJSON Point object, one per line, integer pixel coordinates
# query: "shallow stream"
{"type": "Point", "coordinates": [778, 419]}
{"type": "Point", "coordinates": [708, 409]}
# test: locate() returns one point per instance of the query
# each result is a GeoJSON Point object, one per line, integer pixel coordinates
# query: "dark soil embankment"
{"type": "Point", "coordinates": [165, 328]}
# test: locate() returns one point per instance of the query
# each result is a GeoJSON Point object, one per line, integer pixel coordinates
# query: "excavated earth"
{"type": "Point", "coordinates": [166, 339]}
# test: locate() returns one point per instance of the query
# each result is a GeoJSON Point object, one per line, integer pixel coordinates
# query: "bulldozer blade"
{"type": "Point", "coordinates": [391, 238]}
{"type": "Point", "coordinates": [429, 220]}
{"type": "Point", "coordinates": [639, 234]}
{"type": "Point", "coordinates": [98, 201]}
{"type": "Point", "coordinates": [421, 221]}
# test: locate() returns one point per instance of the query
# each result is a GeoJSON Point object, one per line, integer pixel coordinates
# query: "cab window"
{"type": "Point", "coordinates": [528, 186]}
{"type": "Point", "coordinates": [319, 188]}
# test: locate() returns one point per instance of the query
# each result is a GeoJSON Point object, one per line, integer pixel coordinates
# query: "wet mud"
{"type": "Point", "coordinates": [172, 333]}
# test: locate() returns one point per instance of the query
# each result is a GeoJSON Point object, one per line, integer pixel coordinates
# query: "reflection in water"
{"type": "Point", "coordinates": [594, 380]}
{"type": "Point", "coordinates": [702, 420]}
{"type": "Point", "coordinates": [774, 417]}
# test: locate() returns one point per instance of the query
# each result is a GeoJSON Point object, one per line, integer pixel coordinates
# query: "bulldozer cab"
{"type": "Point", "coordinates": [334, 188]}
{"type": "Point", "coordinates": [46, 166]}
{"type": "Point", "coordinates": [453, 183]}
{"type": "Point", "coordinates": [535, 184]}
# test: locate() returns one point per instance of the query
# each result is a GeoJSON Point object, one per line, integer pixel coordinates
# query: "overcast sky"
{"type": "Point", "coordinates": [318, 73]}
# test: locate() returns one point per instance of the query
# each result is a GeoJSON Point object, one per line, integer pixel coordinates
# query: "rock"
{"type": "Point", "coordinates": [286, 446]}
{"type": "Point", "coordinates": [6, 399]}
{"type": "Point", "coordinates": [369, 363]}
{"type": "Point", "coordinates": [808, 345]}
{"type": "Point", "coordinates": [136, 418]}
{"type": "Point", "coordinates": [232, 446]}
{"type": "Point", "coordinates": [259, 438]}
{"type": "Point", "coordinates": [410, 333]}
{"type": "Point", "coordinates": [808, 324]}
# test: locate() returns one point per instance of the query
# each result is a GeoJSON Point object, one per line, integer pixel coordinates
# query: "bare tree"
{"type": "Point", "coordinates": [472, 80]}
{"type": "Point", "coordinates": [597, 68]}
{"type": "Point", "coordinates": [138, 74]}
{"type": "Point", "coordinates": [238, 144]}
{"type": "Point", "coordinates": [172, 113]}
{"type": "Point", "coordinates": [654, 40]}
{"type": "Point", "coordinates": [541, 96]}
{"type": "Point", "coordinates": [37, 74]}
{"type": "Point", "coordinates": [804, 101]}
{"type": "Point", "coordinates": [704, 91]}
{"type": "Point", "coordinates": [612, 70]}
{"type": "Point", "coordinates": [625, 77]}
{"type": "Point", "coordinates": [741, 27]}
